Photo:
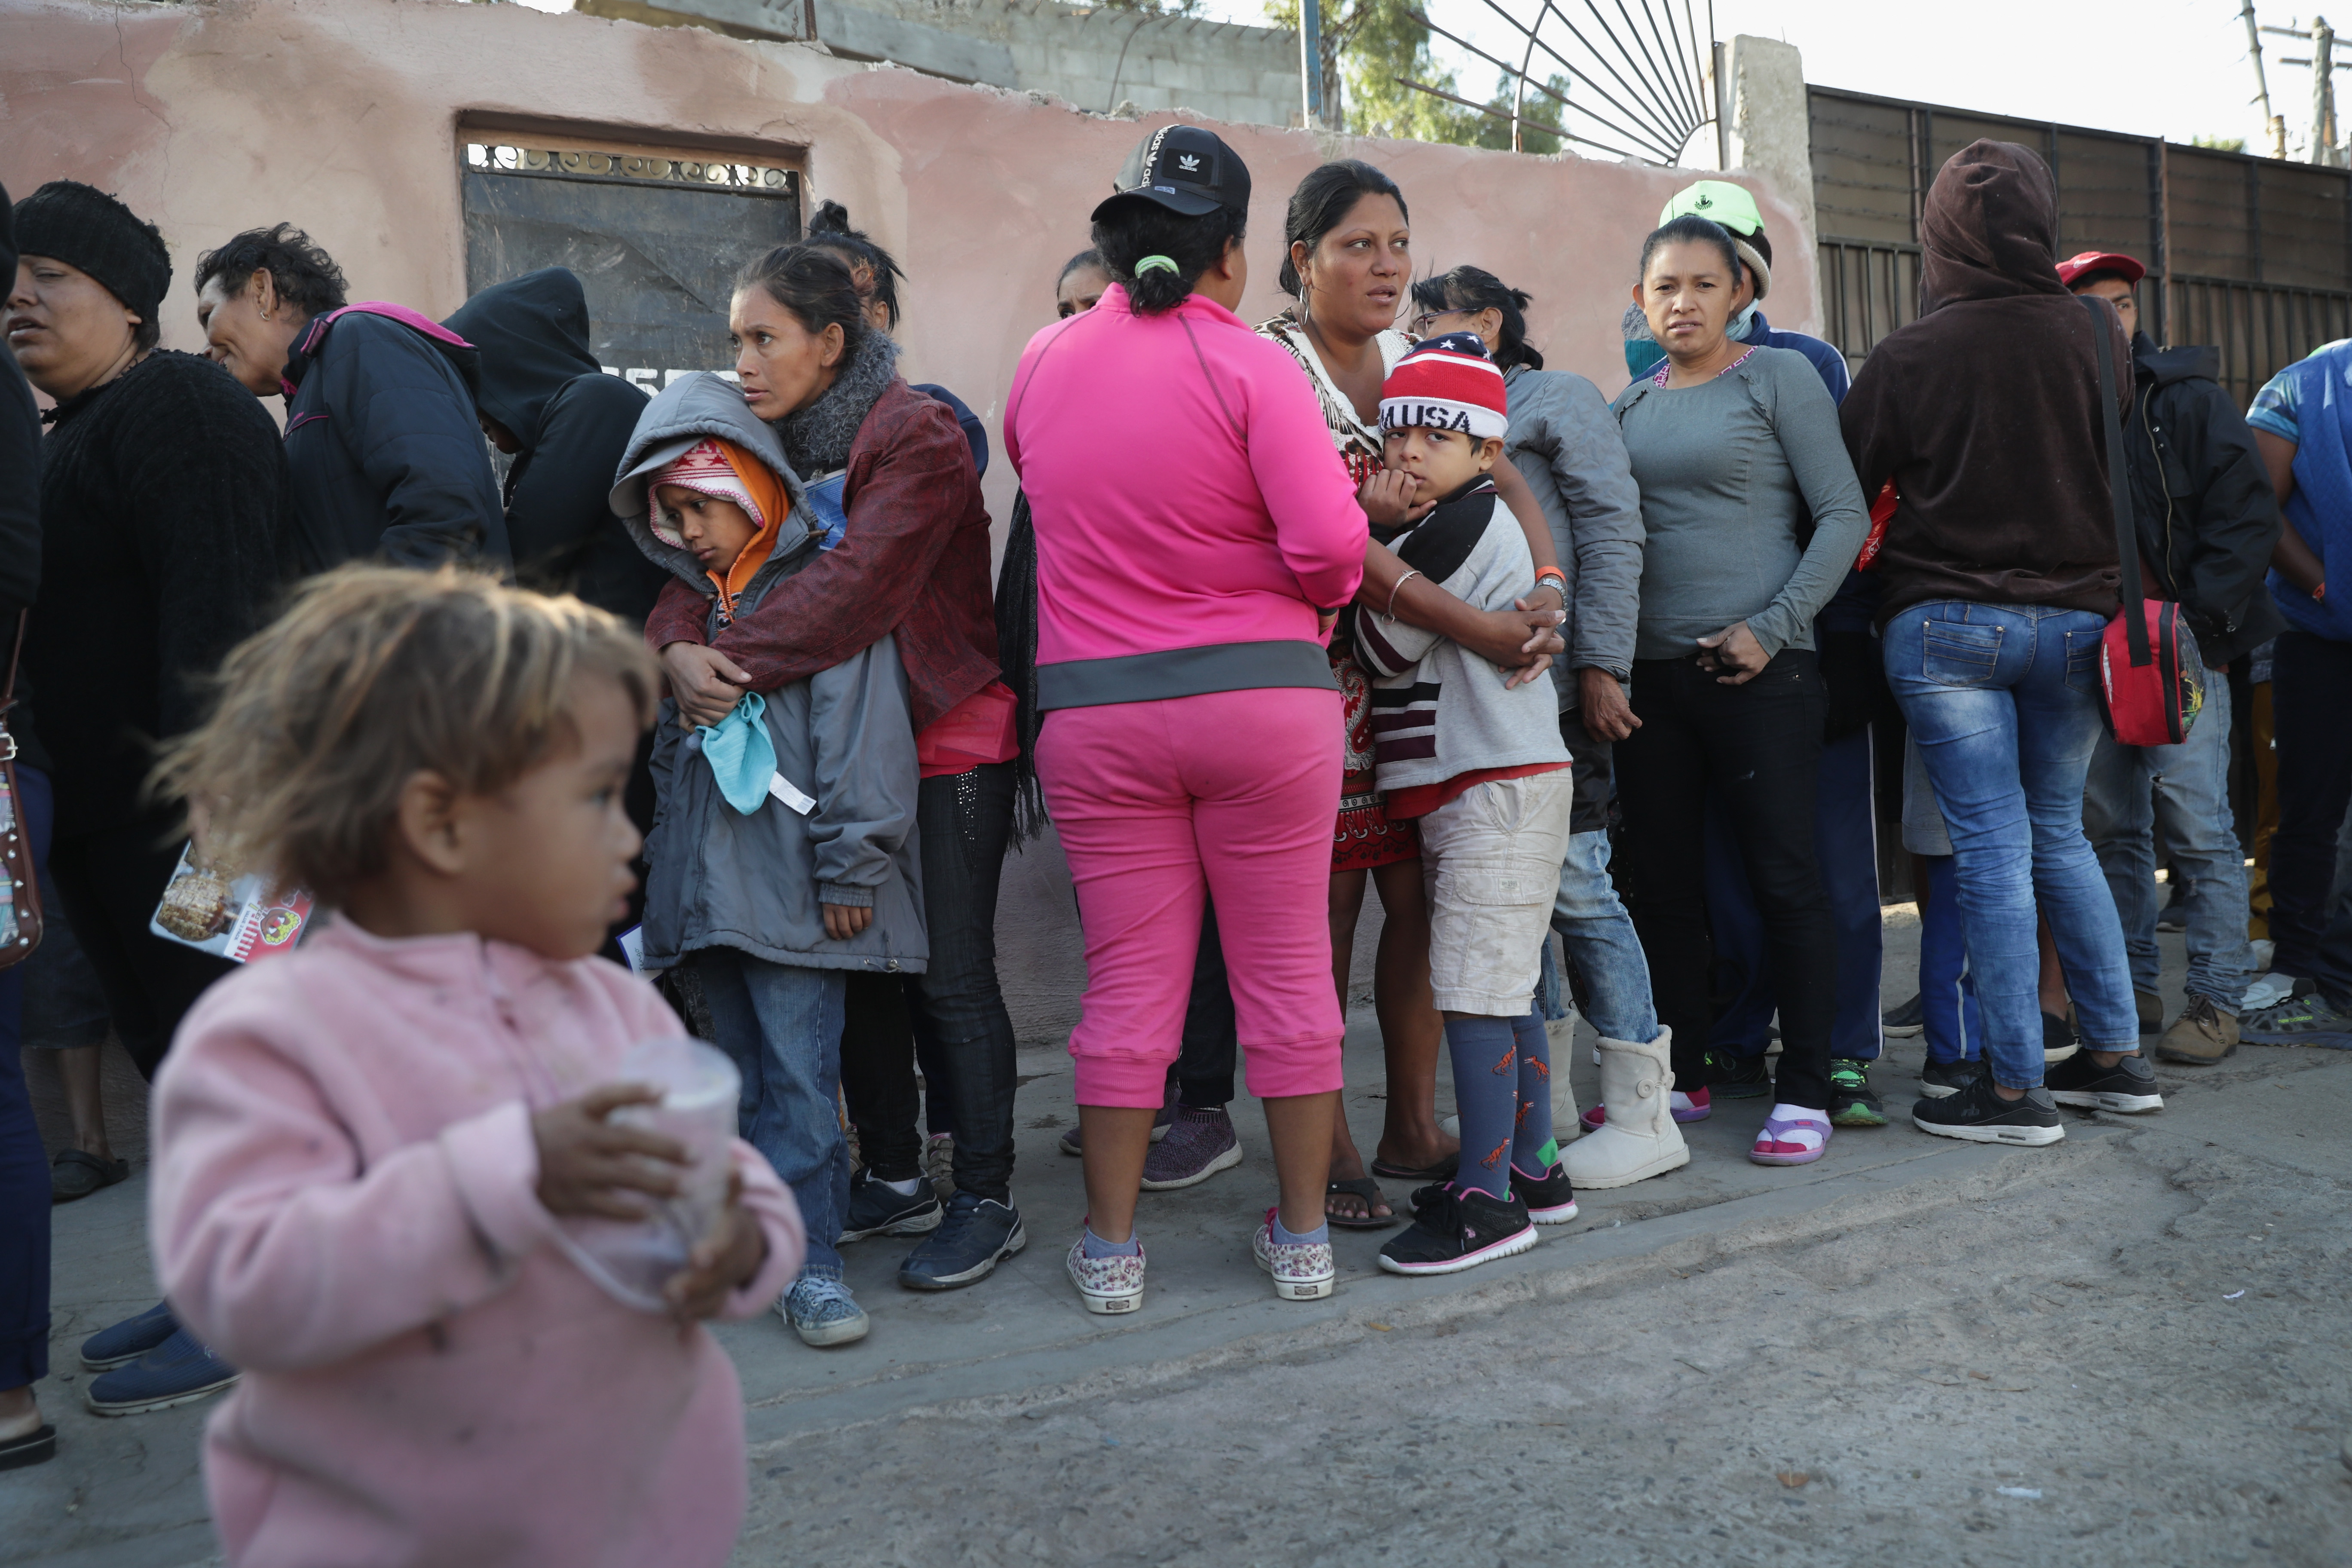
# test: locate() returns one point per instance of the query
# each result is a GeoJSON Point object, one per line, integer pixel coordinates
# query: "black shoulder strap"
{"type": "Point", "coordinates": [2119, 482]}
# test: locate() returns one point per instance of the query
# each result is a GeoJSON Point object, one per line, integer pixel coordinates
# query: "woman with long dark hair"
{"type": "Point", "coordinates": [1347, 262]}
{"type": "Point", "coordinates": [894, 482]}
{"type": "Point", "coordinates": [1737, 450]}
{"type": "Point", "coordinates": [1190, 744]}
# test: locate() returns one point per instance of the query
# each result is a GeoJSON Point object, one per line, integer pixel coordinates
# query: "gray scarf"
{"type": "Point", "coordinates": [817, 438]}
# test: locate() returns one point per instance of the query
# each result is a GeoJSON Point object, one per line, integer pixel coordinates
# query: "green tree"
{"type": "Point", "coordinates": [1367, 46]}
{"type": "Point", "coordinates": [1537, 108]}
{"type": "Point", "coordinates": [2222, 143]}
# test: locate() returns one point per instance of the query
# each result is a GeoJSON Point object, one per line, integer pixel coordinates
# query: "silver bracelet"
{"type": "Point", "coordinates": [1390, 615]}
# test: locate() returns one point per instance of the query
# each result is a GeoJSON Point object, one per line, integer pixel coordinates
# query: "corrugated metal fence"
{"type": "Point", "coordinates": [2248, 253]}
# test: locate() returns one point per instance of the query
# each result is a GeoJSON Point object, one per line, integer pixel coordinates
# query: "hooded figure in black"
{"type": "Point", "coordinates": [544, 399]}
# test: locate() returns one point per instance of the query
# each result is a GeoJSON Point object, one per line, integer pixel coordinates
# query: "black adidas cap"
{"type": "Point", "coordinates": [1186, 169]}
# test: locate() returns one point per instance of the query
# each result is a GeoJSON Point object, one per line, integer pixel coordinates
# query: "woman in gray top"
{"type": "Point", "coordinates": [1752, 517]}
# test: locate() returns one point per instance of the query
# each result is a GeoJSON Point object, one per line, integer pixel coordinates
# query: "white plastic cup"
{"type": "Point", "coordinates": [633, 1259]}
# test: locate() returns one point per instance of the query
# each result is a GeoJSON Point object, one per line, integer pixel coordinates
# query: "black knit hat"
{"type": "Point", "coordinates": [83, 226]}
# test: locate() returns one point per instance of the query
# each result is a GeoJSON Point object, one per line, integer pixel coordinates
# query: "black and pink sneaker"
{"type": "Point", "coordinates": [1460, 1228]}
{"type": "Point", "coordinates": [1549, 1199]}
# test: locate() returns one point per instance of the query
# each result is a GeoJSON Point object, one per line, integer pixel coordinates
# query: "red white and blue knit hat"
{"type": "Point", "coordinates": [1447, 383]}
{"type": "Point", "coordinates": [704, 470]}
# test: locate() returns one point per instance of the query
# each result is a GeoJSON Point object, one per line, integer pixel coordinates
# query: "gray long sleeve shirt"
{"type": "Point", "coordinates": [1729, 471]}
{"type": "Point", "coordinates": [1566, 445]}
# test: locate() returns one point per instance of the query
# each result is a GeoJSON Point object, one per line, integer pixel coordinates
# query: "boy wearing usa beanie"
{"type": "Point", "coordinates": [1480, 763]}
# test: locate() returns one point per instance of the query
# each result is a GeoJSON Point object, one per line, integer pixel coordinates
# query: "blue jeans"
{"type": "Point", "coordinates": [1591, 920]}
{"type": "Point", "coordinates": [2004, 700]}
{"type": "Point", "coordinates": [783, 1026]}
{"type": "Point", "coordinates": [1947, 995]}
{"type": "Point", "coordinates": [24, 1164]}
{"type": "Point", "coordinates": [1845, 843]}
{"type": "Point", "coordinates": [2188, 788]}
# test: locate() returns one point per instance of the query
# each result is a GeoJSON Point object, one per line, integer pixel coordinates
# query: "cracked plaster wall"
{"type": "Point", "coordinates": [342, 116]}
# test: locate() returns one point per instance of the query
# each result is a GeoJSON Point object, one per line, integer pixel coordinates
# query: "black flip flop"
{"type": "Point", "coordinates": [32, 1449]}
{"type": "Point", "coordinates": [1441, 1172]}
{"type": "Point", "coordinates": [76, 1174]}
{"type": "Point", "coordinates": [1368, 1190]}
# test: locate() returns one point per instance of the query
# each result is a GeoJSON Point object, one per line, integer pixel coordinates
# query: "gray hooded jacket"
{"type": "Point", "coordinates": [846, 736]}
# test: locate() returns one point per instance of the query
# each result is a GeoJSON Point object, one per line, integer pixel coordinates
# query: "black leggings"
{"type": "Point", "coordinates": [109, 883]}
{"type": "Point", "coordinates": [1760, 745]}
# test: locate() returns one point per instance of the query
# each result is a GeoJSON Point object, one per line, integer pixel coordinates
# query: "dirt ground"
{"type": "Point", "coordinates": [2048, 1368]}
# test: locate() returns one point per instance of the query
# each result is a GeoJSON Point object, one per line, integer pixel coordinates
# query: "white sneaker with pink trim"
{"type": "Point", "coordinates": [1302, 1271]}
{"type": "Point", "coordinates": [1107, 1284]}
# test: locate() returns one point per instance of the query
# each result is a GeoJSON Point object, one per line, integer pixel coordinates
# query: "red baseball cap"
{"type": "Point", "coordinates": [2123, 265]}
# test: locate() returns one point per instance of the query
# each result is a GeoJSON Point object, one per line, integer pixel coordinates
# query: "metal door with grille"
{"type": "Point", "coordinates": [656, 241]}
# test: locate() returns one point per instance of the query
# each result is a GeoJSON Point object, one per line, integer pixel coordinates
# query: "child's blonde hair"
{"type": "Point", "coordinates": [373, 674]}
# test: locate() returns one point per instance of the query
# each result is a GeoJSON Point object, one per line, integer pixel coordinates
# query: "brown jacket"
{"type": "Point", "coordinates": [914, 561]}
{"type": "Point", "coordinates": [1985, 411]}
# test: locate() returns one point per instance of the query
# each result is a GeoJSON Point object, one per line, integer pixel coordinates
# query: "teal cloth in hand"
{"type": "Point", "coordinates": [742, 757]}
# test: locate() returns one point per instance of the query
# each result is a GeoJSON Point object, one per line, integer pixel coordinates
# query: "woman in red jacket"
{"type": "Point", "coordinates": [892, 474]}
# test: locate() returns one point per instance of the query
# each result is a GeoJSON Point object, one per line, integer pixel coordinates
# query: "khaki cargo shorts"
{"type": "Point", "coordinates": [1490, 858]}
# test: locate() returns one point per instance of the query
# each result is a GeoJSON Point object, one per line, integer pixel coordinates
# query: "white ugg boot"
{"type": "Point", "coordinates": [1561, 1033]}
{"type": "Point", "coordinates": [1639, 1138]}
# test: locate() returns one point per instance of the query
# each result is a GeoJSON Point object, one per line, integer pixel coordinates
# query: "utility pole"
{"type": "Point", "coordinates": [1310, 58]}
{"type": "Point", "coordinates": [2324, 66]}
{"type": "Point", "coordinates": [2273, 125]}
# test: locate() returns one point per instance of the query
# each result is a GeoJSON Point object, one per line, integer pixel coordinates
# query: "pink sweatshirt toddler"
{"type": "Point", "coordinates": [1191, 514]}
{"type": "Point", "coordinates": [343, 1205]}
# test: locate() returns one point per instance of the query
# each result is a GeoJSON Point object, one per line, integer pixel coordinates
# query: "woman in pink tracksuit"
{"type": "Point", "coordinates": [1195, 534]}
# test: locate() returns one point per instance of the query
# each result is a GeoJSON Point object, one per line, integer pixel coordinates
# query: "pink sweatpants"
{"type": "Point", "coordinates": [1230, 794]}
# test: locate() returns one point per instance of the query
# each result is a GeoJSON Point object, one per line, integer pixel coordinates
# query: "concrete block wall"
{"type": "Point", "coordinates": [1096, 59]}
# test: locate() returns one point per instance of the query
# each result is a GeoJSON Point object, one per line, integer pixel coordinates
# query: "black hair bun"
{"type": "Point", "coordinates": [832, 217]}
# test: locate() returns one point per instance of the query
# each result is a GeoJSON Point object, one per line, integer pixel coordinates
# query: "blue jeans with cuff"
{"type": "Point", "coordinates": [1590, 917]}
{"type": "Point", "coordinates": [2187, 787]}
{"type": "Point", "coordinates": [782, 1024]}
{"type": "Point", "coordinates": [2004, 701]}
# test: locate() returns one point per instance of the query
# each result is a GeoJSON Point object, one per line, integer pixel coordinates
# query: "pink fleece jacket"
{"type": "Point", "coordinates": [343, 1205]}
{"type": "Point", "coordinates": [1183, 483]}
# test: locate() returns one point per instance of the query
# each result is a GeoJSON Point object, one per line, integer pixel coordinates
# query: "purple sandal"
{"type": "Point", "coordinates": [1774, 1149]}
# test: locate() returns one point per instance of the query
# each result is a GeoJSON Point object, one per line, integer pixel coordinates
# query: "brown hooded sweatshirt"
{"type": "Point", "coordinates": [1985, 411]}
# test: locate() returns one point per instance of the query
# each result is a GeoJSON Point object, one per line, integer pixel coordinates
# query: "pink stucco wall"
{"type": "Point", "coordinates": [342, 116]}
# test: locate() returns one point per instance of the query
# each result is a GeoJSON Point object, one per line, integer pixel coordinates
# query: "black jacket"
{"type": "Point", "coordinates": [2201, 499]}
{"type": "Point", "coordinates": [165, 528]}
{"type": "Point", "coordinates": [540, 379]}
{"type": "Point", "coordinates": [20, 513]}
{"type": "Point", "coordinates": [388, 458]}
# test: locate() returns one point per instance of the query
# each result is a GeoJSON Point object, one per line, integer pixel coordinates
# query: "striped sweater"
{"type": "Point", "coordinates": [1438, 709]}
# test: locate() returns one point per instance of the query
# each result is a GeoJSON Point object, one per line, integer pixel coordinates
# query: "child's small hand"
{"type": "Point", "coordinates": [1387, 498]}
{"type": "Point", "coordinates": [726, 1260]}
{"type": "Point", "coordinates": [589, 1165]}
{"type": "Point", "coordinates": [842, 922]}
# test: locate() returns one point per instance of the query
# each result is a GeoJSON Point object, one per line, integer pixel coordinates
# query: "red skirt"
{"type": "Point", "coordinates": [1365, 836]}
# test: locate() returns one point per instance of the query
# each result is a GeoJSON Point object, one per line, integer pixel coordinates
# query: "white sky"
{"type": "Point", "coordinates": [2170, 68]}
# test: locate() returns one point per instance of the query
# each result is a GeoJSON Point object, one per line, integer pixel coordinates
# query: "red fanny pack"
{"type": "Point", "coordinates": [2149, 670]}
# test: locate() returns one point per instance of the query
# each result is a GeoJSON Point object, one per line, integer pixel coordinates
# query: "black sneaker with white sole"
{"type": "Point", "coordinates": [1938, 1079]}
{"type": "Point", "coordinates": [2128, 1087]}
{"type": "Point", "coordinates": [976, 1236]}
{"type": "Point", "coordinates": [1980, 1115]}
{"type": "Point", "coordinates": [1550, 1198]}
{"type": "Point", "coordinates": [875, 1210]}
{"type": "Point", "coordinates": [1460, 1228]}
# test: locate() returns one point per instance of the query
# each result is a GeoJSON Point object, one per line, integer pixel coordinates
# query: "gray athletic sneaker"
{"type": "Point", "coordinates": [821, 1309]}
{"type": "Point", "coordinates": [1199, 1144]}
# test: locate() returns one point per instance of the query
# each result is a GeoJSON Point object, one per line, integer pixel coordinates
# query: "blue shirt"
{"type": "Point", "coordinates": [2310, 404]}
